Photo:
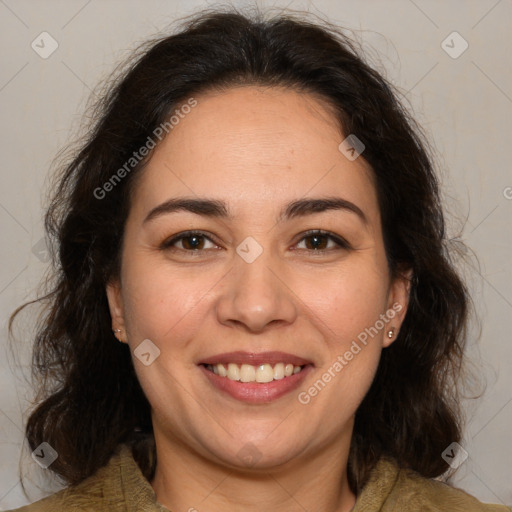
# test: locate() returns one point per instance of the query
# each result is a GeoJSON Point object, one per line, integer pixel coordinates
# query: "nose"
{"type": "Point", "coordinates": [256, 295]}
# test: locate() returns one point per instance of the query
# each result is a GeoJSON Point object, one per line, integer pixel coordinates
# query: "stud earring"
{"type": "Point", "coordinates": [116, 334]}
{"type": "Point", "coordinates": [391, 332]}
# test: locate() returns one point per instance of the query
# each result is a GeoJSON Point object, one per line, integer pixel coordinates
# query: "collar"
{"type": "Point", "coordinates": [123, 480]}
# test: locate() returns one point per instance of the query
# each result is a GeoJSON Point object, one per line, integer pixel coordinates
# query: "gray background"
{"type": "Point", "coordinates": [464, 104]}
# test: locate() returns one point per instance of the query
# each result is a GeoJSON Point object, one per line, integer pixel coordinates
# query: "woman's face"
{"type": "Point", "coordinates": [251, 286]}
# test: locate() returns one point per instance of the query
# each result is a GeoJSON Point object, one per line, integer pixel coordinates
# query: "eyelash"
{"type": "Point", "coordinates": [342, 244]}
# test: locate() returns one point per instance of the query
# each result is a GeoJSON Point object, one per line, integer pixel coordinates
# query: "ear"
{"type": "Point", "coordinates": [115, 304]}
{"type": "Point", "coordinates": [398, 302]}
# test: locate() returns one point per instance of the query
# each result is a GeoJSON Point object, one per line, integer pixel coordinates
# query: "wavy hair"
{"type": "Point", "coordinates": [88, 387]}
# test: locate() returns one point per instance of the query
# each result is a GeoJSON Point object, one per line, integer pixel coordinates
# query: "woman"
{"type": "Point", "coordinates": [256, 220]}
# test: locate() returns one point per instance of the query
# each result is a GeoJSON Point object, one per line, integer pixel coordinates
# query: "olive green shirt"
{"type": "Point", "coordinates": [121, 486]}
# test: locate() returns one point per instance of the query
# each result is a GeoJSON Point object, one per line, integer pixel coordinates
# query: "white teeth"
{"type": "Point", "coordinates": [249, 373]}
{"type": "Point", "coordinates": [265, 373]}
{"type": "Point", "coordinates": [233, 371]}
{"type": "Point", "coordinates": [279, 371]}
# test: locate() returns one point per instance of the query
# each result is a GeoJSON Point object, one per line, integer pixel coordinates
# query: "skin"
{"type": "Point", "coordinates": [256, 149]}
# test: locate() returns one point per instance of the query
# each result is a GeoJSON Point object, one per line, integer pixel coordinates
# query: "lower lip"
{"type": "Point", "coordinates": [257, 392]}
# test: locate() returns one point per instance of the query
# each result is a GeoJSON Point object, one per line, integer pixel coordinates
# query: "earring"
{"type": "Point", "coordinates": [391, 332]}
{"type": "Point", "coordinates": [116, 332]}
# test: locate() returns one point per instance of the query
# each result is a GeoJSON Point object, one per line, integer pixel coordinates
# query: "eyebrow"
{"type": "Point", "coordinates": [218, 209]}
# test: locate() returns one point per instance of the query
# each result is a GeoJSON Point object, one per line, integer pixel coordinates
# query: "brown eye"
{"type": "Point", "coordinates": [190, 242]}
{"type": "Point", "coordinates": [193, 242]}
{"type": "Point", "coordinates": [318, 241]}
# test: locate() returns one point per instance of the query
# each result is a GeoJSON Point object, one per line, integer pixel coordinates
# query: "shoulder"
{"type": "Point", "coordinates": [111, 488]}
{"type": "Point", "coordinates": [394, 489]}
{"type": "Point", "coordinates": [73, 499]}
{"type": "Point", "coordinates": [69, 500]}
{"type": "Point", "coordinates": [415, 492]}
{"type": "Point", "coordinates": [86, 496]}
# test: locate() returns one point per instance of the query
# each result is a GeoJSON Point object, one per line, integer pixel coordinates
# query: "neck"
{"type": "Point", "coordinates": [185, 480]}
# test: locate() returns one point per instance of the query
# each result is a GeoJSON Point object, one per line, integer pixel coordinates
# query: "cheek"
{"type": "Point", "coordinates": [161, 302]}
{"type": "Point", "coordinates": [346, 313]}
{"type": "Point", "coordinates": [345, 301]}
{"type": "Point", "coordinates": [164, 301]}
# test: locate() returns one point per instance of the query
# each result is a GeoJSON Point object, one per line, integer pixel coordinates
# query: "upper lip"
{"type": "Point", "coordinates": [255, 359]}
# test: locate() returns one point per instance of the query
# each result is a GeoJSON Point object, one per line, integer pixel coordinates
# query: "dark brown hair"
{"type": "Point", "coordinates": [90, 399]}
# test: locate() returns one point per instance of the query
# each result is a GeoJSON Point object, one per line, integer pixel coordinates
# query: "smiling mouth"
{"type": "Point", "coordinates": [261, 373]}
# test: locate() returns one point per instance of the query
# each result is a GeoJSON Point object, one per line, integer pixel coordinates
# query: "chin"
{"type": "Point", "coordinates": [254, 454]}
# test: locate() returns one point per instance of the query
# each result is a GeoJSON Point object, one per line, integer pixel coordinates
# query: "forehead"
{"type": "Point", "coordinates": [258, 147]}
